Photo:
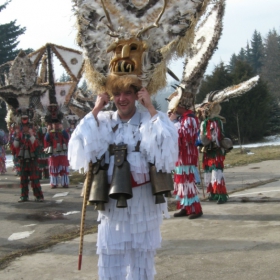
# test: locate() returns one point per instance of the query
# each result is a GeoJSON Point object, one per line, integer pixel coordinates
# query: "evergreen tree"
{"type": "Point", "coordinates": [232, 62]}
{"type": "Point", "coordinates": [256, 53]}
{"type": "Point", "coordinates": [242, 55]}
{"type": "Point", "coordinates": [9, 34]}
{"type": "Point", "coordinates": [219, 79]}
{"type": "Point", "coordinates": [64, 78]}
{"type": "Point", "coordinates": [273, 126]}
{"type": "Point", "coordinates": [249, 112]}
{"type": "Point", "coordinates": [271, 64]}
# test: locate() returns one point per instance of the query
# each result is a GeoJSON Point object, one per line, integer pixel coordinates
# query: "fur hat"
{"type": "Point", "coordinates": [54, 114]}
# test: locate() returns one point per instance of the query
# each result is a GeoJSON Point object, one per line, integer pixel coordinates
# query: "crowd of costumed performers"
{"type": "Point", "coordinates": [181, 112]}
{"type": "Point", "coordinates": [4, 139]}
{"type": "Point", "coordinates": [25, 148]}
{"type": "Point", "coordinates": [56, 146]}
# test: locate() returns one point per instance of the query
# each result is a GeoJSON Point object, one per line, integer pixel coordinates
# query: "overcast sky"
{"type": "Point", "coordinates": [51, 21]}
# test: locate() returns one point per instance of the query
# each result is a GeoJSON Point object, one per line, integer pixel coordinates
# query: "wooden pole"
{"type": "Point", "coordinates": [88, 182]}
{"type": "Point", "coordinates": [201, 179]}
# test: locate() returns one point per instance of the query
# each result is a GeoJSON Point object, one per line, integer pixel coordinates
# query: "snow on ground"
{"type": "Point", "coordinates": [9, 161]}
{"type": "Point", "coordinates": [268, 141]}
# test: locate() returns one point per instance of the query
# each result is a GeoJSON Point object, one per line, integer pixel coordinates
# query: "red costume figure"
{"type": "Point", "coordinates": [25, 148]}
{"type": "Point", "coordinates": [56, 143]}
{"type": "Point", "coordinates": [184, 177]}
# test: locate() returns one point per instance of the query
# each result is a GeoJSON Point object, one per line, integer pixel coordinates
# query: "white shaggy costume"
{"type": "Point", "coordinates": [128, 237]}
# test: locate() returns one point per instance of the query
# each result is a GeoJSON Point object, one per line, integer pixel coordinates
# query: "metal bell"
{"type": "Point", "coordinates": [121, 186]}
{"type": "Point", "coordinates": [159, 198]}
{"type": "Point", "coordinates": [58, 148]}
{"type": "Point", "coordinates": [204, 140]}
{"type": "Point", "coordinates": [50, 150]}
{"type": "Point", "coordinates": [162, 184]}
{"type": "Point", "coordinates": [21, 153]}
{"type": "Point", "coordinates": [26, 155]}
{"type": "Point", "coordinates": [64, 147]}
{"type": "Point", "coordinates": [99, 189]}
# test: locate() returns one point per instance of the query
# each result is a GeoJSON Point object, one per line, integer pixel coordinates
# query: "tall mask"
{"type": "Point", "coordinates": [127, 59]}
{"type": "Point", "coordinates": [143, 35]}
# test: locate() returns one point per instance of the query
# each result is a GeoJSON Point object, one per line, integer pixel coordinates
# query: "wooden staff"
{"type": "Point", "coordinates": [88, 182]}
{"type": "Point", "coordinates": [201, 179]}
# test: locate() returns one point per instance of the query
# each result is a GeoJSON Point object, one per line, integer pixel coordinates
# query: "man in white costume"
{"type": "Point", "coordinates": [127, 237]}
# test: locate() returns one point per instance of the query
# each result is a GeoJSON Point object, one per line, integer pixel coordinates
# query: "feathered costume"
{"type": "Point", "coordinates": [143, 36]}
{"type": "Point", "coordinates": [213, 139]}
{"type": "Point", "coordinates": [56, 144]}
{"type": "Point", "coordinates": [184, 177]}
{"type": "Point", "coordinates": [18, 93]}
{"type": "Point", "coordinates": [202, 48]}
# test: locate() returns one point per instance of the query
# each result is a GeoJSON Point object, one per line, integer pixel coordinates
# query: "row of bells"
{"type": "Point", "coordinates": [50, 150]}
{"type": "Point", "coordinates": [121, 186]}
{"type": "Point", "coordinates": [25, 154]}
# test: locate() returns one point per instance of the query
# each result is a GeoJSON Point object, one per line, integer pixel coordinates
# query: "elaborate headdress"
{"type": "Point", "coordinates": [210, 107]}
{"type": "Point", "coordinates": [54, 115]}
{"type": "Point", "coordinates": [21, 90]}
{"type": "Point", "coordinates": [198, 55]}
{"type": "Point", "coordinates": [142, 35]}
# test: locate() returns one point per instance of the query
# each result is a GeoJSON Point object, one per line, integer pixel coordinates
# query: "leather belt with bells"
{"type": "Point", "coordinates": [120, 152]}
{"type": "Point", "coordinates": [112, 148]}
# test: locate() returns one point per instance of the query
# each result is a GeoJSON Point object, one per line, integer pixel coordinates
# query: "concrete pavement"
{"type": "Point", "coordinates": [236, 240]}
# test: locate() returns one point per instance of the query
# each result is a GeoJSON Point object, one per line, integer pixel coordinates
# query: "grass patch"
{"type": "Point", "coordinates": [236, 158]}
{"type": "Point", "coordinates": [76, 178]}
{"type": "Point", "coordinates": [51, 241]}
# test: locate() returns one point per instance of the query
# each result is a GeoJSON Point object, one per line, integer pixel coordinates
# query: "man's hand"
{"type": "Point", "coordinates": [101, 101]}
{"type": "Point", "coordinates": [172, 116]}
{"type": "Point", "coordinates": [145, 99]}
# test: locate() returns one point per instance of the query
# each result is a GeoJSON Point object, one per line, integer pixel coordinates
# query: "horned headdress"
{"type": "Point", "coordinates": [131, 42]}
{"type": "Point", "coordinates": [210, 107]}
{"type": "Point", "coordinates": [199, 52]}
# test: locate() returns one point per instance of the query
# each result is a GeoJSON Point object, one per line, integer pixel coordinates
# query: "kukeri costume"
{"type": "Point", "coordinates": [143, 38]}
{"type": "Point", "coordinates": [20, 93]}
{"type": "Point", "coordinates": [127, 237]}
{"type": "Point", "coordinates": [185, 187]}
{"type": "Point", "coordinates": [200, 50]}
{"type": "Point", "coordinates": [25, 146]}
{"type": "Point", "coordinates": [212, 137]}
{"type": "Point", "coordinates": [56, 143]}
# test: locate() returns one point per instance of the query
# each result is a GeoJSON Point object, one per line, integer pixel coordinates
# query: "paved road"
{"type": "Point", "coordinates": [59, 214]}
{"type": "Point", "coordinates": [235, 240]}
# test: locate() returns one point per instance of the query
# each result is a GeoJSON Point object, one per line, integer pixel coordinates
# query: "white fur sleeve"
{"type": "Point", "coordinates": [89, 141]}
{"type": "Point", "coordinates": [159, 141]}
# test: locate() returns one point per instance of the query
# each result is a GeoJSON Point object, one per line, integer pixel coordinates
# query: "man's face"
{"type": "Point", "coordinates": [180, 110]}
{"type": "Point", "coordinates": [55, 126]}
{"type": "Point", "coordinates": [125, 103]}
{"type": "Point", "coordinates": [25, 129]}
